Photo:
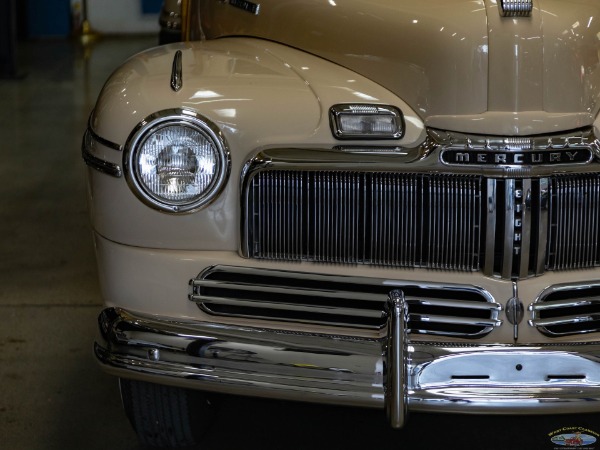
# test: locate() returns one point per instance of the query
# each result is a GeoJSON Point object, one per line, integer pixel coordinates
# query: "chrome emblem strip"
{"type": "Point", "coordinates": [253, 8]}
{"type": "Point", "coordinates": [515, 8]}
{"type": "Point", "coordinates": [578, 156]}
{"type": "Point", "coordinates": [580, 147]}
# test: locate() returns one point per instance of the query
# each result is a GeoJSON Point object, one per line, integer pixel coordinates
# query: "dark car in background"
{"type": "Point", "coordinates": [170, 21]}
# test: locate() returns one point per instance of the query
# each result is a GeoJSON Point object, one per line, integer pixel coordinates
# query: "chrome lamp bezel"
{"type": "Point", "coordinates": [156, 122]}
{"type": "Point", "coordinates": [336, 112]}
{"type": "Point", "coordinates": [515, 8]}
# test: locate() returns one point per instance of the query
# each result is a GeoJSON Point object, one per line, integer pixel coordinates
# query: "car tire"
{"type": "Point", "coordinates": [166, 416]}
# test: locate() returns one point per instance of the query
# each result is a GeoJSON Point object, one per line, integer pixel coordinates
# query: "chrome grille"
{"type": "Point", "coordinates": [390, 219]}
{"type": "Point", "coordinates": [511, 228]}
{"type": "Point", "coordinates": [574, 222]}
{"type": "Point", "coordinates": [568, 310]}
{"type": "Point", "coordinates": [342, 301]}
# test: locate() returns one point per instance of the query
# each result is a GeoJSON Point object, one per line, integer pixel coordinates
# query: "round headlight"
{"type": "Point", "coordinates": [176, 161]}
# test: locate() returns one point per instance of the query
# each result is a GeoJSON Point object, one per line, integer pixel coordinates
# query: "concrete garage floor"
{"type": "Point", "coordinates": [52, 393]}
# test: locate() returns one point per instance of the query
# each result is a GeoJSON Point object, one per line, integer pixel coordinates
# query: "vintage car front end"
{"type": "Point", "coordinates": [293, 207]}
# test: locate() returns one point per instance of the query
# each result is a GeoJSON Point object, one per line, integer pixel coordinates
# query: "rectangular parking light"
{"type": "Point", "coordinates": [355, 121]}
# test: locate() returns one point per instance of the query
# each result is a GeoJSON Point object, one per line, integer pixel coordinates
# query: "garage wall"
{"type": "Point", "coordinates": [62, 18]}
{"type": "Point", "coordinates": [47, 18]}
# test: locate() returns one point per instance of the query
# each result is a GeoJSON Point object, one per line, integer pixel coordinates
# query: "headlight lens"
{"type": "Point", "coordinates": [177, 161]}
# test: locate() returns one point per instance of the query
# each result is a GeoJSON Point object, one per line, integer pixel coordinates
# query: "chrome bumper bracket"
{"type": "Point", "coordinates": [396, 368]}
{"type": "Point", "coordinates": [396, 375]}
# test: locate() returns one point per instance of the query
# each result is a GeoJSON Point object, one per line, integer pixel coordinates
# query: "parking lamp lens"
{"type": "Point", "coordinates": [366, 122]}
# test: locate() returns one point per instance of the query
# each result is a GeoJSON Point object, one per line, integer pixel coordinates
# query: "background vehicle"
{"type": "Point", "coordinates": [170, 22]}
{"type": "Point", "coordinates": [390, 205]}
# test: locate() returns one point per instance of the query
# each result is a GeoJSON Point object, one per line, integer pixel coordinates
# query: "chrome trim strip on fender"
{"type": "Point", "coordinates": [350, 370]}
{"type": "Point", "coordinates": [101, 140]}
{"type": "Point", "coordinates": [93, 161]}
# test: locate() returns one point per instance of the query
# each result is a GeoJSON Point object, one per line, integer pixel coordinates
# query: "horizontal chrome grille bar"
{"type": "Point", "coordinates": [342, 301]}
{"type": "Point", "coordinates": [222, 301]}
{"type": "Point", "coordinates": [454, 304]}
{"type": "Point", "coordinates": [569, 320]}
{"type": "Point", "coordinates": [454, 320]}
{"type": "Point", "coordinates": [574, 303]}
{"type": "Point", "coordinates": [284, 290]}
{"type": "Point", "coordinates": [567, 310]}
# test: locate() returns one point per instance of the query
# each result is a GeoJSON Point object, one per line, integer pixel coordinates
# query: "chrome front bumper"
{"type": "Point", "coordinates": [393, 372]}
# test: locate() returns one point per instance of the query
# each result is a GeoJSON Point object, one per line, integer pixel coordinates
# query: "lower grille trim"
{"type": "Point", "coordinates": [568, 309]}
{"type": "Point", "coordinates": [330, 300]}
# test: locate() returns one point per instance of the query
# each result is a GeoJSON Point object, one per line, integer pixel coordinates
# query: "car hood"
{"type": "Point", "coordinates": [458, 63]}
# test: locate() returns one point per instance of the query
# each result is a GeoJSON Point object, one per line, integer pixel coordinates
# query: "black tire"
{"type": "Point", "coordinates": [166, 416]}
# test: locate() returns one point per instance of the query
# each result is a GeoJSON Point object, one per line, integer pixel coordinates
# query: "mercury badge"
{"type": "Point", "coordinates": [516, 8]}
{"type": "Point", "coordinates": [556, 150]}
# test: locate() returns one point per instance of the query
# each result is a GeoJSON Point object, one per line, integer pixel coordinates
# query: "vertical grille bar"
{"type": "Point", "coordinates": [491, 212]}
{"type": "Point", "coordinates": [434, 224]}
{"type": "Point", "coordinates": [543, 203]}
{"type": "Point", "coordinates": [334, 222]}
{"type": "Point", "coordinates": [393, 220]}
{"type": "Point", "coordinates": [574, 228]}
{"type": "Point", "coordinates": [403, 220]}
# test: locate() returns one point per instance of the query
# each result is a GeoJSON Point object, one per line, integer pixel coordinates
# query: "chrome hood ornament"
{"type": "Point", "coordinates": [515, 8]}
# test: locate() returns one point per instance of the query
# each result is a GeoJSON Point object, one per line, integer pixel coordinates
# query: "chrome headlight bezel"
{"type": "Point", "coordinates": [157, 122]}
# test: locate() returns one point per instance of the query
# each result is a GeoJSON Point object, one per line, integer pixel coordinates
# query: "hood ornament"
{"type": "Point", "coordinates": [515, 8]}
{"type": "Point", "coordinates": [177, 72]}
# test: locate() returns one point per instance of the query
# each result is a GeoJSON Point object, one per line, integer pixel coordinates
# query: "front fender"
{"type": "Point", "coordinates": [256, 92]}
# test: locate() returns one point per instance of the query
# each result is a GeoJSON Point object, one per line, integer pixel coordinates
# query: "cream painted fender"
{"type": "Point", "coordinates": [258, 93]}
{"type": "Point", "coordinates": [458, 63]}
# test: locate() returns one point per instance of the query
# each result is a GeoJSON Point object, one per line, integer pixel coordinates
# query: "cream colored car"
{"type": "Point", "coordinates": [390, 204]}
